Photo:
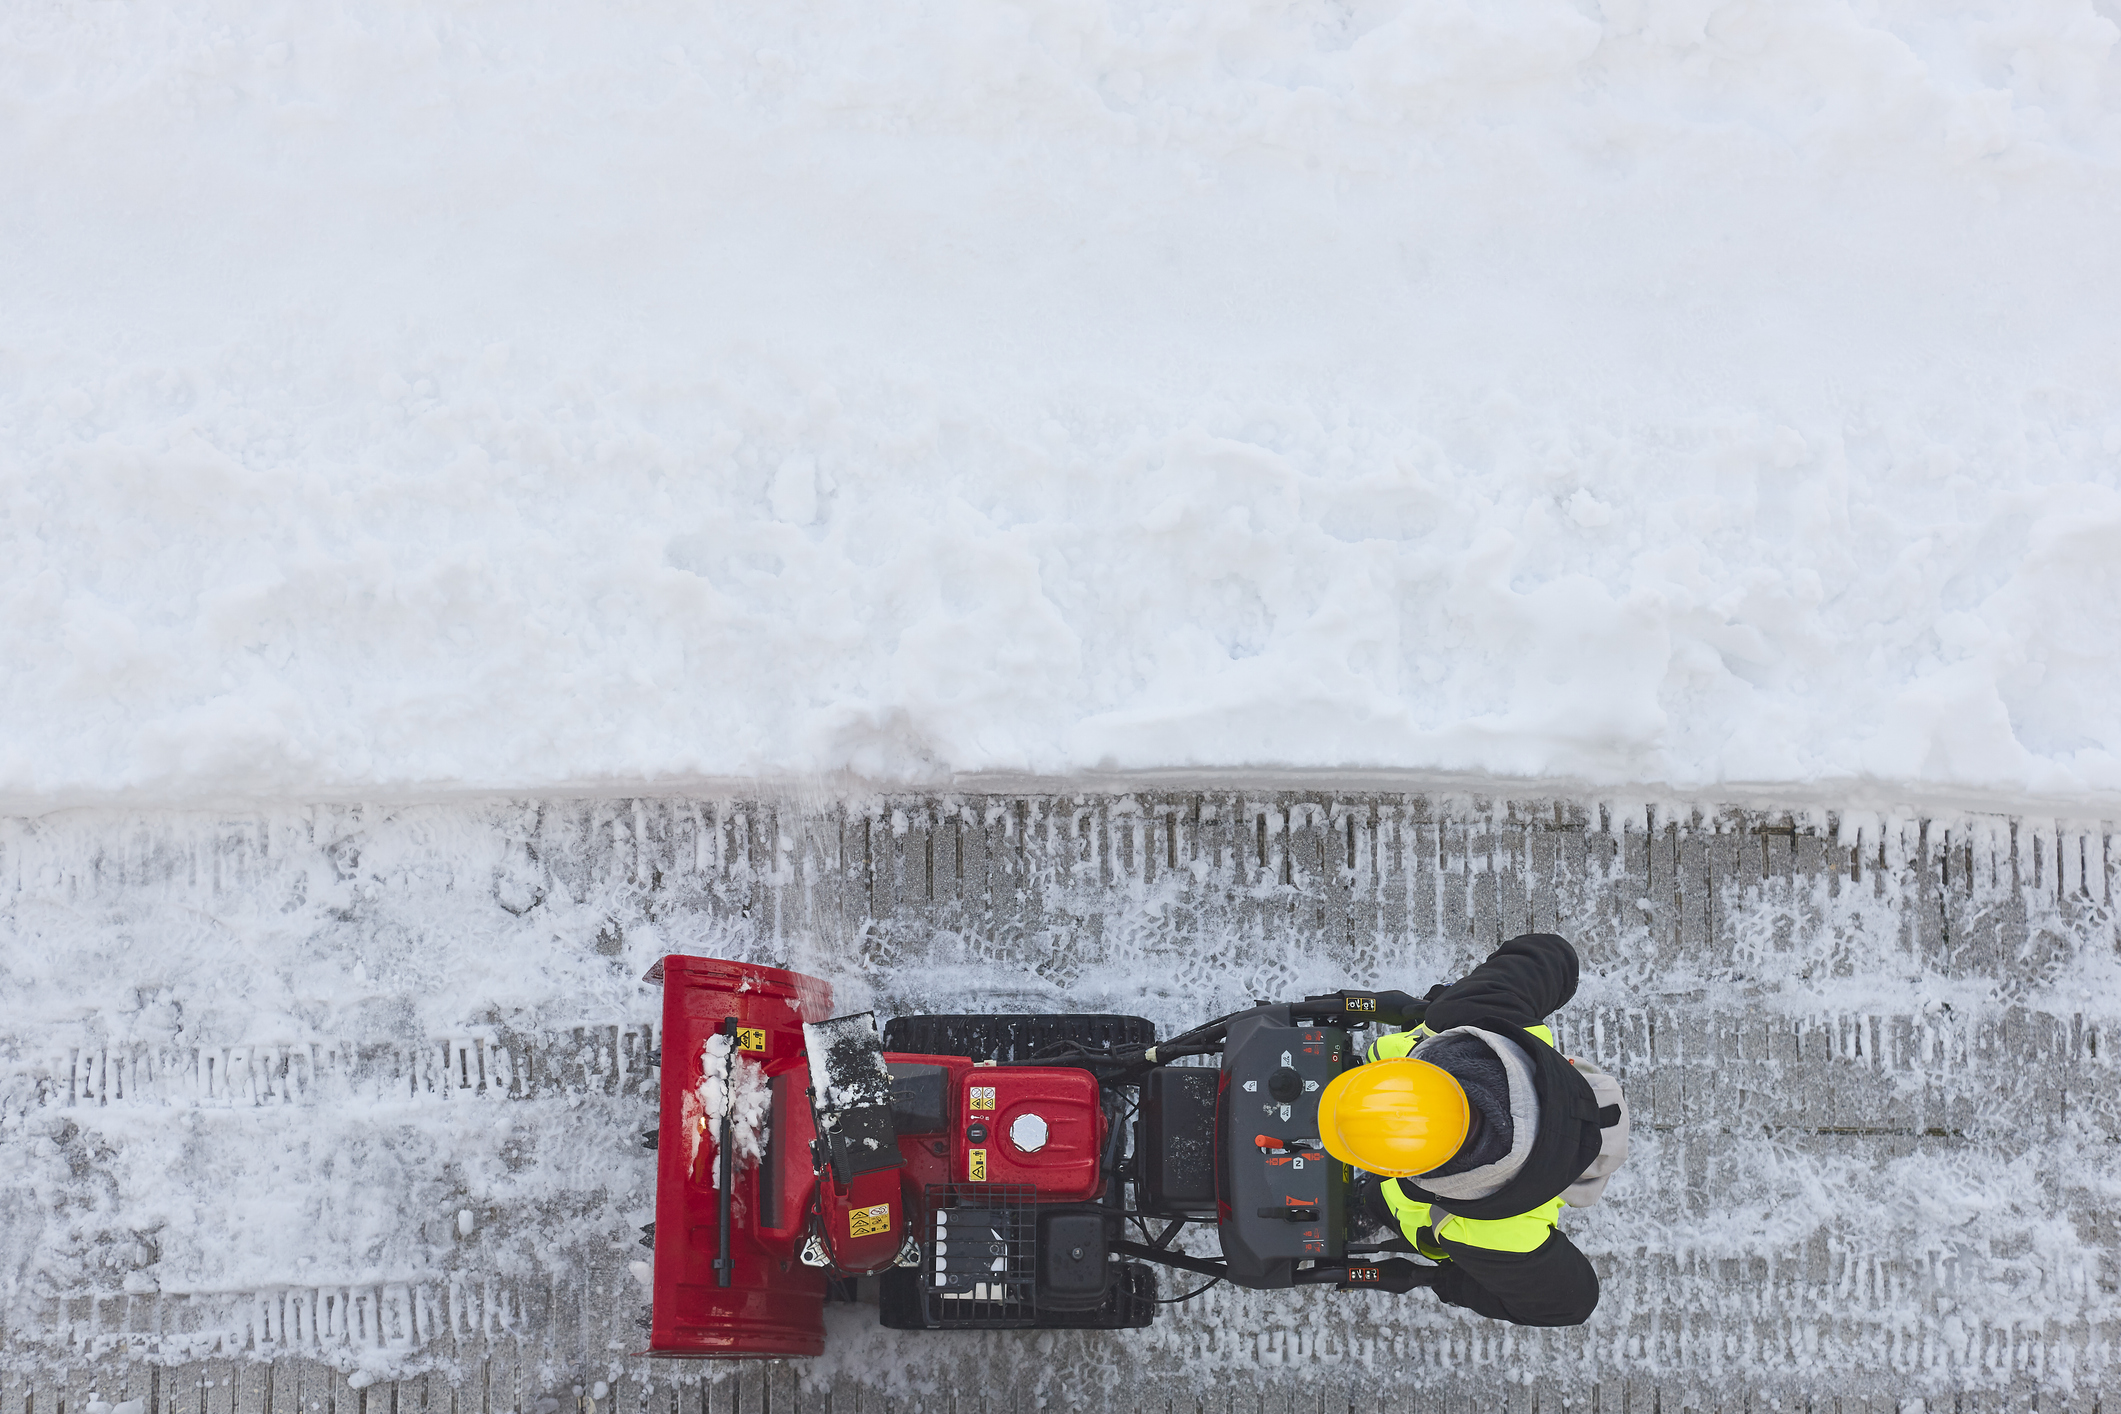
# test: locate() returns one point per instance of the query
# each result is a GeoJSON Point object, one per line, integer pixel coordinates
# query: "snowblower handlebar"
{"type": "Point", "coordinates": [1349, 1008]}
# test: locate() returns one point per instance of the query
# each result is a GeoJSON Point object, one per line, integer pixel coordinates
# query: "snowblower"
{"type": "Point", "coordinates": [990, 1172]}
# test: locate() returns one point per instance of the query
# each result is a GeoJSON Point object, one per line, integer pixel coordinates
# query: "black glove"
{"type": "Point", "coordinates": [1366, 1200]}
{"type": "Point", "coordinates": [1396, 1275]}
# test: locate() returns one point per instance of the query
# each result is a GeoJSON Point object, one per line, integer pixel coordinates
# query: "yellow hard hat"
{"type": "Point", "coordinates": [1397, 1118]}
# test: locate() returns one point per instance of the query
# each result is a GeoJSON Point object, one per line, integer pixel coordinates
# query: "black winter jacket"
{"type": "Point", "coordinates": [1520, 984]}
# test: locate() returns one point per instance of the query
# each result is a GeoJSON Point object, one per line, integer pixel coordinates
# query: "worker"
{"type": "Point", "coordinates": [1473, 1131]}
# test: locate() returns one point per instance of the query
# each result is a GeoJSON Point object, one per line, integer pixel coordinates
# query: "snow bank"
{"type": "Point", "coordinates": [1655, 392]}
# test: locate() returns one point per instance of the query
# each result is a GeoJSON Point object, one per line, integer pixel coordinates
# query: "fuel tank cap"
{"type": "Point", "coordinates": [1028, 1133]}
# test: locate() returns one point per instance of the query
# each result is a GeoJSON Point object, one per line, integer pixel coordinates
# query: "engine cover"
{"type": "Point", "coordinates": [1029, 1125]}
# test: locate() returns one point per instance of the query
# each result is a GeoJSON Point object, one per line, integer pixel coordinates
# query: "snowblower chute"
{"type": "Point", "coordinates": [978, 1167]}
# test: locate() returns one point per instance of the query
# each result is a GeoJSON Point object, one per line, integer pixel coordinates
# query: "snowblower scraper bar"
{"type": "Point", "coordinates": [851, 1095]}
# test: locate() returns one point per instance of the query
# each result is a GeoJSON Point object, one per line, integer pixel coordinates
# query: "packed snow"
{"type": "Point", "coordinates": [733, 1085]}
{"type": "Point", "coordinates": [846, 1063]}
{"type": "Point", "coordinates": [1658, 393]}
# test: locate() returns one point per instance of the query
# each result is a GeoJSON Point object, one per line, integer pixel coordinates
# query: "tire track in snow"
{"type": "Point", "coordinates": [1871, 1059]}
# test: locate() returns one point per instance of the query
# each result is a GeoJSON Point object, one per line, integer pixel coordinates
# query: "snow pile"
{"type": "Point", "coordinates": [732, 1085]}
{"type": "Point", "coordinates": [1649, 392]}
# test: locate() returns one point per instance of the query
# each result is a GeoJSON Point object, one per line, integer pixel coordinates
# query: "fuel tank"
{"type": "Point", "coordinates": [1042, 1128]}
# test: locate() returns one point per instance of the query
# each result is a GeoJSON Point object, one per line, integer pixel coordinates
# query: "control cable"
{"type": "Point", "coordinates": [1174, 1300]}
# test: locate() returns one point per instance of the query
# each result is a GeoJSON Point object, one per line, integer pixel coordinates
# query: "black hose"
{"type": "Point", "coordinates": [1174, 1300]}
{"type": "Point", "coordinates": [1143, 1253]}
{"type": "Point", "coordinates": [1166, 1052]}
{"type": "Point", "coordinates": [1117, 1143]}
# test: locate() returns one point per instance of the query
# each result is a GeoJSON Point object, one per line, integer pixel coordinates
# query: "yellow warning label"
{"type": "Point", "coordinates": [867, 1222]}
{"type": "Point", "coordinates": [750, 1038]}
{"type": "Point", "coordinates": [983, 1097]}
{"type": "Point", "coordinates": [1361, 1004]}
{"type": "Point", "coordinates": [976, 1168]}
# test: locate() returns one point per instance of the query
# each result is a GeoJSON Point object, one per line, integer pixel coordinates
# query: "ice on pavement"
{"type": "Point", "coordinates": [1634, 393]}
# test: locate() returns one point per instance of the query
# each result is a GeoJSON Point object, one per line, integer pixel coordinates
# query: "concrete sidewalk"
{"type": "Point", "coordinates": [1871, 1063]}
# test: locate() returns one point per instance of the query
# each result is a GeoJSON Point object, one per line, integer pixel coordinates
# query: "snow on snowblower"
{"type": "Point", "coordinates": [980, 1166]}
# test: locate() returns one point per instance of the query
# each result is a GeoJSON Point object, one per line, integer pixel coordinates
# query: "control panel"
{"type": "Point", "coordinates": [1283, 1191]}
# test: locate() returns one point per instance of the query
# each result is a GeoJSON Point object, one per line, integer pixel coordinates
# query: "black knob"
{"type": "Point", "coordinates": [976, 1132]}
{"type": "Point", "coordinates": [1285, 1085]}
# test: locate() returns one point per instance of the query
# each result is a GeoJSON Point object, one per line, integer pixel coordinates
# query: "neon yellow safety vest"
{"type": "Point", "coordinates": [1526, 1232]}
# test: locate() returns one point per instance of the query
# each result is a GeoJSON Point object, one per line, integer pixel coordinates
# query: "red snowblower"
{"type": "Point", "coordinates": [990, 1172]}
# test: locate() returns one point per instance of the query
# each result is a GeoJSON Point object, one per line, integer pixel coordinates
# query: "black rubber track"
{"type": "Point", "coordinates": [1015, 1037]}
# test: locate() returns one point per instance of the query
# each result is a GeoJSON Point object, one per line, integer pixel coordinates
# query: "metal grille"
{"type": "Point", "coordinates": [982, 1255]}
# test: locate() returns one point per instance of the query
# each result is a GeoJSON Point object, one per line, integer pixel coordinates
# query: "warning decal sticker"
{"type": "Point", "coordinates": [983, 1097]}
{"type": "Point", "coordinates": [867, 1222]}
{"type": "Point", "coordinates": [750, 1038]}
{"type": "Point", "coordinates": [976, 1167]}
